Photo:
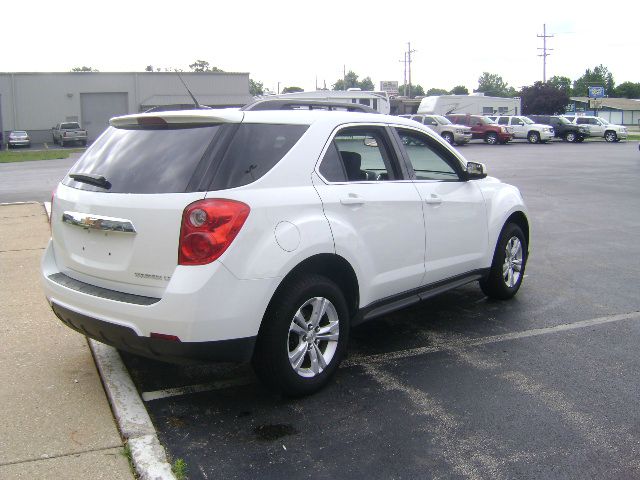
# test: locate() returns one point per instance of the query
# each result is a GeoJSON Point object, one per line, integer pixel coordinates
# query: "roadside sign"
{"type": "Point", "coordinates": [389, 86]}
{"type": "Point", "coordinates": [596, 92]}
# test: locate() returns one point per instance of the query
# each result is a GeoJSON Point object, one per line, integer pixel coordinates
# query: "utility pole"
{"type": "Point", "coordinates": [544, 53]}
{"type": "Point", "coordinates": [409, 52]}
{"type": "Point", "coordinates": [405, 73]}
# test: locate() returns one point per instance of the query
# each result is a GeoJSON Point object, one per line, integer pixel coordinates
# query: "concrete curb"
{"type": "Point", "coordinates": [149, 457]}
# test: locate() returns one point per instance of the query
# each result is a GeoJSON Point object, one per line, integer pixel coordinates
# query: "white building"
{"type": "Point", "coordinates": [37, 101]}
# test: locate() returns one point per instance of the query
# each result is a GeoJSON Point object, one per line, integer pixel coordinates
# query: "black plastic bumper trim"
{"type": "Point", "coordinates": [124, 338]}
{"type": "Point", "coordinates": [78, 286]}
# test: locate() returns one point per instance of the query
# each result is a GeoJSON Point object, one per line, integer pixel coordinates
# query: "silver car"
{"type": "Point", "coordinates": [19, 138]}
{"type": "Point", "coordinates": [452, 133]}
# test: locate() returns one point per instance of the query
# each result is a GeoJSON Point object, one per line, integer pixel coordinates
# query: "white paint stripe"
{"type": "Point", "coordinates": [363, 360]}
{"type": "Point", "coordinates": [473, 342]}
{"type": "Point", "coordinates": [202, 387]}
{"type": "Point", "coordinates": [135, 424]}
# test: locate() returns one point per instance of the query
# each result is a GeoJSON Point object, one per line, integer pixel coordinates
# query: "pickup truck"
{"type": "Point", "coordinates": [483, 128]}
{"type": "Point", "coordinates": [68, 132]}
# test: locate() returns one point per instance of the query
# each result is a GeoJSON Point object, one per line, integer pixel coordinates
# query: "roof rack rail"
{"type": "Point", "coordinates": [290, 104]}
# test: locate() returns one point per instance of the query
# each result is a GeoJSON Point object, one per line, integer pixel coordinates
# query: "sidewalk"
{"type": "Point", "coordinates": [55, 418]}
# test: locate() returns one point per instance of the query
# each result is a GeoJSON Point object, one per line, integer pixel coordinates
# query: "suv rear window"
{"type": "Point", "coordinates": [166, 160]}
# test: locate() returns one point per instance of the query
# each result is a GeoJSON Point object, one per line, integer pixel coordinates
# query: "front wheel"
{"type": "Point", "coordinates": [610, 136]}
{"type": "Point", "coordinates": [507, 268]}
{"type": "Point", "coordinates": [533, 137]}
{"type": "Point", "coordinates": [303, 336]}
{"type": "Point", "coordinates": [448, 137]}
{"type": "Point", "coordinates": [570, 137]}
{"type": "Point", "coordinates": [491, 138]}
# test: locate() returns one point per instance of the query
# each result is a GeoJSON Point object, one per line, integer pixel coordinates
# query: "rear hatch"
{"type": "Point", "coordinates": [117, 214]}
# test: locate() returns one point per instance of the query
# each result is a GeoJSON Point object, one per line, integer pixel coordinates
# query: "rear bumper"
{"type": "Point", "coordinates": [206, 307]}
{"type": "Point", "coordinates": [124, 338]}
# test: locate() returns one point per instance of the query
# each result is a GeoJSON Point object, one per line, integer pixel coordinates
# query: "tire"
{"type": "Point", "coordinates": [610, 136]}
{"type": "Point", "coordinates": [570, 137]}
{"type": "Point", "coordinates": [533, 137]}
{"type": "Point", "coordinates": [448, 137]}
{"type": "Point", "coordinates": [287, 344]}
{"type": "Point", "coordinates": [491, 138]}
{"type": "Point", "coordinates": [504, 278]}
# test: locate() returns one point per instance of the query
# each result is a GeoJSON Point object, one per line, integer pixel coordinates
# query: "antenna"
{"type": "Point", "coordinates": [195, 102]}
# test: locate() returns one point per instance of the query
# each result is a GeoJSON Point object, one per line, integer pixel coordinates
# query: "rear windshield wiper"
{"type": "Point", "coordinates": [92, 179]}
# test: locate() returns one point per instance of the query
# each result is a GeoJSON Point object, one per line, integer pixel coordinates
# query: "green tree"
{"type": "Point", "coordinates": [255, 87]}
{"type": "Point", "coordinates": [416, 91]}
{"type": "Point", "coordinates": [149, 68]}
{"type": "Point", "coordinates": [437, 91]}
{"type": "Point", "coordinates": [627, 90]}
{"type": "Point", "coordinates": [544, 98]}
{"type": "Point", "coordinates": [350, 80]}
{"type": "Point", "coordinates": [493, 85]}
{"type": "Point", "coordinates": [292, 89]}
{"type": "Point", "coordinates": [84, 69]}
{"type": "Point", "coordinates": [203, 66]}
{"type": "Point", "coordinates": [562, 83]}
{"type": "Point", "coordinates": [459, 90]}
{"type": "Point", "coordinates": [600, 76]}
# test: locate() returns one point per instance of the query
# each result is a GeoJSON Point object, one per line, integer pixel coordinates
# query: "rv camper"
{"type": "Point", "coordinates": [471, 104]}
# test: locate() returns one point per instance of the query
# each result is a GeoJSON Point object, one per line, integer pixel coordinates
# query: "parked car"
{"type": "Point", "coordinates": [18, 138]}
{"type": "Point", "coordinates": [68, 132]}
{"type": "Point", "coordinates": [599, 127]}
{"type": "Point", "coordinates": [264, 235]}
{"type": "Point", "coordinates": [452, 133]}
{"type": "Point", "coordinates": [525, 128]}
{"type": "Point", "coordinates": [562, 127]}
{"type": "Point", "coordinates": [483, 128]}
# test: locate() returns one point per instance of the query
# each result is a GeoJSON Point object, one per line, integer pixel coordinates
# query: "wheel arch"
{"type": "Point", "coordinates": [520, 219]}
{"type": "Point", "coordinates": [336, 269]}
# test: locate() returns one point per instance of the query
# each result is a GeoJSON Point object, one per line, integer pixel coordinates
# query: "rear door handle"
{"type": "Point", "coordinates": [352, 199]}
{"type": "Point", "coordinates": [433, 199]}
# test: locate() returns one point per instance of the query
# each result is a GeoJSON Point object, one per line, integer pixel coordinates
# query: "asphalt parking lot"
{"type": "Point", "coordinates": [543, 386]}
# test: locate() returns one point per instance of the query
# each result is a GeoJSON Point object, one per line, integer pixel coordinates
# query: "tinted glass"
{"type": "Point", "coordinates": [428, 162]}
{"type": "Point", "coordinates": [364, 154]}
{"type": "Point", "coordinates": [331, 167]}
{"type": "Point", "coordinates": [70, 125]}
{"type": "Point", "coordinates": [504, 121]}
{"type": "Point", "coordinates": [254, 150]}
{"type": "Point", "coordinates": [144, 161]}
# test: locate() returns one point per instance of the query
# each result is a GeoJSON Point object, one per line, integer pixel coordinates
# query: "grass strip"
{"type": "Point", "coordinates": [7, 156]}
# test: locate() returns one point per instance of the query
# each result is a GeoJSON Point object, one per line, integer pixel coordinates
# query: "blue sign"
{"type": "Point", "coordinates": [596, 92]}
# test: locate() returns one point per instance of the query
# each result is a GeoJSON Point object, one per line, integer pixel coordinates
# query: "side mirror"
{"type": "Point", "coordinates": [476, 171]}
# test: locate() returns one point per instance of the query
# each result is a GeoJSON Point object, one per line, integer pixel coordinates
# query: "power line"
{"type": "Point", "coordinates": [544, 53]}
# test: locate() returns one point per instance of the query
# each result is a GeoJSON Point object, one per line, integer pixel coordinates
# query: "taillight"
{"type": "Point", "coordinates": [208, 228]}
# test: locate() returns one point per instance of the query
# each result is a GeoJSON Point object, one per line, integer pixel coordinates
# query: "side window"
{"type": "Point", "coordinates": [361, 153]}
{"type": "Point", "coordinates": [429, 162]}
{"type": "Point", "coordinates": [503, 121]}
{"type": "Point", "coordinates": [582, 121]}
{"type": "Point", "coordinates": [418, 118]}
{"type": "Point", "coordinates": [331, 167]}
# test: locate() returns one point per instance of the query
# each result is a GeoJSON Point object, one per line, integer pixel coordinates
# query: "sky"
{"type": "Point", "coordinates": [296, 43]}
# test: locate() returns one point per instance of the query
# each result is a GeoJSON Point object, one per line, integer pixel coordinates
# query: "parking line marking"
{"type": "Point", "coordinates": [202, 387]}
{"type": "Point", "coordinates": [474, 342]}
{"type": "Point", "coordinates": [402, 354]}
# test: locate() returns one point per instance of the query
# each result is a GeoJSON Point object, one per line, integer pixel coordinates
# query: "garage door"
{"type": "Point", "coordinates": [98, 108]}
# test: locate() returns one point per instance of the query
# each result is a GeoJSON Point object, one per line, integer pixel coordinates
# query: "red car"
{"type": "Point", "coordinates": [483, 128]}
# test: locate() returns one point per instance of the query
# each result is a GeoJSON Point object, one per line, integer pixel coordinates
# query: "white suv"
{"type": "Point", "coordinates": [264, 235]}
{"type": "Point", "coordinates": [525, 128]}
{"type": "Point", "coordinates": [599, 127]}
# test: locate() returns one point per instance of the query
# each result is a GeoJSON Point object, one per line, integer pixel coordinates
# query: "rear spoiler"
{"type": "Point", "coordinates": [178, 118]}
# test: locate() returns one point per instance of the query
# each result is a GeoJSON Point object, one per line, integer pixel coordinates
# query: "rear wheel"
{"type": "Point", "coordinates": [448, 137]}
{"type": "Point", "coordinates": [491, 138]}
{"type": "Point", "coordinates": [610, 136]}
{"type": "Point", "coordinates": [533, 137]}
{"type": "Point", "coordinates": [507, 268]}
{"type": "Point", "coordinates": [570, 137]}
{"type": "Point", "coordinates": [303, 336]}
